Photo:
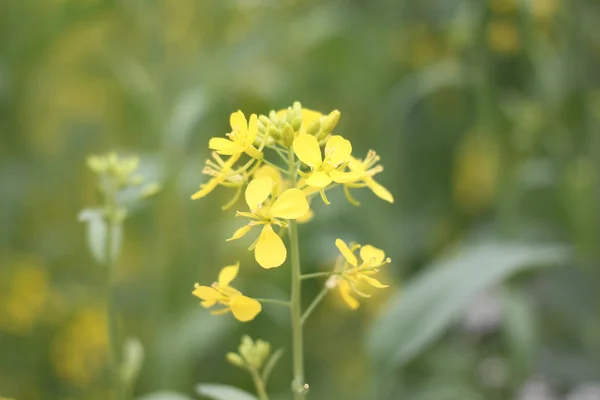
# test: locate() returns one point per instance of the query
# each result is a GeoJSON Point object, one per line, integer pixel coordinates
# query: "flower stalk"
{"type": "Point", "coordinates": [299, 387]}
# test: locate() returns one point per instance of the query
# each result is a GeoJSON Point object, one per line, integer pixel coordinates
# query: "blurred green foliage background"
{"type": "Point", "coordinates": [486, 114]}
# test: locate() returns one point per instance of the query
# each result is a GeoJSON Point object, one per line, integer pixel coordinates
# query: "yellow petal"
{"type": "Point", "coordinates": [344, 177]}
{"type": "Point", "coordinates": [371, 255]}
{"type": "Point", "coordinates": [356, 165]}
{"type": "Point", "coordinates": [348, 255]}
{"type": "Point", "coordinates": [206, 188]}
{"type": "Point", "coordinates": [291, 204]}
{"type": "Point", "coordinates": [307, 150]}
{"type": "Point", "coordinates": [257, 191]}
{"type": "Point", "coordinates": [225, 146]}
{"type": "Point", "coordinates": [208, 303]}
{"type": "Point", "coordinates": [306, 217]}
{"type": "Point", "coordinates": [338, 150]}
{"type": "Point", "coordinates": [372, 281]}
{"type": "Point", "coordinates": [244, 308]}
{"type": "Point", "coordinates": [273, 173]}
{"type": "Point", "coordinates": [239, 233]}
{"type": "Point", "coordinates": [238, 122]}
{"type": "Point", "coordinates": [221, 311]}
{"type": "Point", "coordinates": [270, 252]}
{"type": "Point", "coordinates": [228, 274]}
{"type": "Point", "coordinates": [379, 190]}
{"type": "Point", "coordinates": [206, 293]}
{"type": "Point", "coordinates": [252, 129]}
{"type": "Point", "coordinates": [345, 292]}
{"type": "Point", "coordinates": [318, 179]}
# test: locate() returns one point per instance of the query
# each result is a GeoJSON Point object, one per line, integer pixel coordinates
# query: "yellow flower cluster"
{"type": "Point", "coordinates": [307, 159]}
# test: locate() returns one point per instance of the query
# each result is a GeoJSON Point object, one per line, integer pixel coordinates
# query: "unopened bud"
{"type": "Point", "coordinates": [331, 121]}
{"type": "Point", "coordinates": [290, 115]}
{"type": "Point", "coordinates": [297, 107]}
{"type": "Point", "coordinates": [235, 359]}
{"type": "Point", "coordinates": [314, 128]}
{"type": "Point", "coordinates": [297, 124]}
{"type": "Point", "coordinates": [274, 132]}
{"type": "Point", "coordinates": [287, 134]}
{"type": "Point", "coordinates": [263, 119]}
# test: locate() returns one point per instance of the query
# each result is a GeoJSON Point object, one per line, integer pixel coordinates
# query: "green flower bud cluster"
{"type": "Point", "coordinates": [251, 355]}
{"type": "Point", "coordinates": [121, 170]}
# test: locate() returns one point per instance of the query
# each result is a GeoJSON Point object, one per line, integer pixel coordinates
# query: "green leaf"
{"type": "Point", "coordinates": [223, 392]}
{"type": "Point", "coordinates": [96, 234]}
{"type": "Point", "coordinates": [165, 395]}
{"type": "Point", "coordinates": [429, 303]}
{"type": "Point", "coordinates": [519, 329]}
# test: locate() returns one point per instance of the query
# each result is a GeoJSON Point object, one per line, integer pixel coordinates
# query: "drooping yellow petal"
{"type": "Point", "coordinates": [307, 150]}
{"type": "Point", "coordinates": [372, 255]}
{"type": "Point", "coordinates": [372, 281]}
{"type": "Point", "coordinates": [270, 252]}
{"type": "Point", "coordinates": [239, 233]}
{"type": "Point", "coordinates": [208, 303]}
{"type": "Point", "coordinates": [348, 255]}
{"type": "Point", "coordinates": [379, 190]}
{"type": "Point", "coordinates": [206, 188]}
{"type": "Point", "coordinates": [291, 204]}
{"type": "Point", "coordinates": [252, 129]}
{"type": "Point", "coordinates": [238, 122]}
{"type": "Point", "coordinates": [244, 308]}
{"type": "Point", "coordinates": [344, 177]}
{"type": "Point", "coordinates": [318, 179]}
{"type": "Point", "coordinates": [337, 150]}
{"type": "Point", "coordinates": [273, 173]}
{"type": "Point", "coordinates": [225, 146]}
{"type": "Point", "coordinates": [257, 191]}
{"type": "Point", "coordinates": [228, 274]}
{"type": "Point", "coordinates": [345, 292]}
{"type": "Point", "coordinates": [206, 293]}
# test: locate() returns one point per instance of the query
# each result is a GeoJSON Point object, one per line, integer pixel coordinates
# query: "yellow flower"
{"type": "Point", "coordinates": [354, 275]}
{"type": "Point", "coordinates": [222, 174]}
{"type": "Point", "coordinates": [241, 139]}
{"type": "Point", "coordinates": [269, 250]}
{"type": "Point", "coordinates": [243, 308]}
{"type": "Point", "coordinates": [365, 169]}
{"type": "Point", "coordinates": [328, 169]}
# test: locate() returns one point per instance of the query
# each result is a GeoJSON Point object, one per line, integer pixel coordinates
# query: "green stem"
{"type": "Point", "coordinates": [317, 275]}
{"type": "Point", "coordinates": [274, 301]}
{"type": "Point", "coordinates": [260, 386]}
{"type": "Point", "coordinates": [277, 167]}
{"type": "Point", "coordinates": [314, 304]}
{"type": "Point", "coordinates": [113, 327]}
{"type": "Point", "coordinates": [298, 384]}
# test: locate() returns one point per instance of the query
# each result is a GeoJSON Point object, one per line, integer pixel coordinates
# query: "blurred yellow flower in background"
{"type": "Point", "coordinates": [503, 36]}
{"type": "Point", "coordinates": [243, 308]}
{"type": "Point", "coordinates": [25, 295]}
{"type": "Point", "coordinates": [80, 353]}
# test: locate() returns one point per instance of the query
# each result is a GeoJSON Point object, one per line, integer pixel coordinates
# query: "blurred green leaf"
{"type": "Point", "coordinates": [519, 326]}
{"type": "Point", "coordinates": [96, 233]}
{"type": "Point", "coordinates": [133, 359]}
{"type": "Point", "coordinates": [166, 395]}
{"type": "Point", "coordinates": [223, 392]}
{"type": "Point", "coordinates": [429, 303]}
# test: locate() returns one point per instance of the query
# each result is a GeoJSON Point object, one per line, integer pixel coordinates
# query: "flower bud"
{"type": "Point", "coordinates": [235, 360]}
{"type": "Point", "coordinates": [263, 119]}
{"type": "Point", "coordinates": [314, 128]}
{"type": "Point", "coordinates": [287, 134]}
{"type": "Point", "coordinates": [297, 124]}
{"type": "Point", "coordinates": [331, 121]}
{"type": "Point", "coordinates": [274, 132]}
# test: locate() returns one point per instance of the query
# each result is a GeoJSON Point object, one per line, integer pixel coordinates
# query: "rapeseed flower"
{"type": "Point", "coordinates": [267, 209]}
{"type": "Point", "coordinates": [328, 169]}
{"type": "Point", "coordinates": [354, 274]}
{"type": "Point", "coordinates": [241, 138]}
{"type": "Point", "coordinates": [222, 173]}
{"type": "Point", "coordinates": [364, 170]}
{"type": "Point", "coordinates": [243, 308]}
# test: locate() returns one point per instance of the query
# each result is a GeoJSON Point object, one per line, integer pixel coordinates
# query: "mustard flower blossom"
{"type": "Point", "coordinates": [241, 139]}
{"type": "Point", "coordinates": [269, 249]}
{"type": "Point", "coordinates": [364, 170]}
{"type": "Point", "coordinates": [355, 274]}
{"type": "Point", "coordinates": [243, 308]}
{"type": "Point", "coordinates": [328, 169]}
{"type": "Point", "coordinates": [222, 173]}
